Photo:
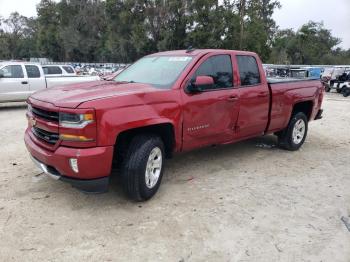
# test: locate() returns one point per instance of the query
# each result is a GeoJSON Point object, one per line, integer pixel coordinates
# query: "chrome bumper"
{"type": "Point", "coordinates": [45, 169]}
{"type": "Point", "coordinates": [98, 185]}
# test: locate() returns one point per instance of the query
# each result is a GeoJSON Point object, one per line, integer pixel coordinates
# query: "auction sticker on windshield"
{"type": "Point", "coordinates": [179, 58]}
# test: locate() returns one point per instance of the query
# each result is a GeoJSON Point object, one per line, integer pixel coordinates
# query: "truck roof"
{"type": "Point", "coordinates": [196, 52]}
{"type": "Point", "coordinates": [18, 62]}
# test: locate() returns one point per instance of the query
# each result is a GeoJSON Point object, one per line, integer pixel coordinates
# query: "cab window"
{"type": "Point", "coordinates": [248, 70]}
{"type": "Point", "coordinates": [218, 67]}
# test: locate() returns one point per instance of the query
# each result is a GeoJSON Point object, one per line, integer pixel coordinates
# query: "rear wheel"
{"type": "Point", "coordinates": [142, 169]}
{"type": "Point", "coordinates": [293, 137]}
{"type": "Point", "coordinates": [346, 91]}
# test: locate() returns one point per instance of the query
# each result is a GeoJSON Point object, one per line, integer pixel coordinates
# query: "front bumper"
{"type": "Point", "coordinates": [319, 114]}
{"type": "Point", "coordinates": [94, 164]}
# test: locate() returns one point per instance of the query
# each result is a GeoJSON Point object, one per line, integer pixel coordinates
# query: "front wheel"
{"type": "Point", "coordinates": [346, 91]}
{"type": "Point", "coordinates": [293, 137]}
{"type": "Point", "coordinates": [143, 167]}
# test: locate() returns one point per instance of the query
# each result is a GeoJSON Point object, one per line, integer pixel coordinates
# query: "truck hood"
{"type": "Point", "coordinates": [72, 96]}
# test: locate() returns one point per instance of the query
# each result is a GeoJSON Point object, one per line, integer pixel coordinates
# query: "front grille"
{"type": "Point", "coordinates": [47, 115]}
{"type": "Point", "coordinates": [47, 136]}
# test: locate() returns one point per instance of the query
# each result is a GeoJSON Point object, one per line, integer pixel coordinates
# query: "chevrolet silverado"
{"type": "Point", "coordinates": [164, 103]}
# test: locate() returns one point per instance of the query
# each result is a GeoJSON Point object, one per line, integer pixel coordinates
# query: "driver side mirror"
{"type": "Point", "coordinates": [200, 84]}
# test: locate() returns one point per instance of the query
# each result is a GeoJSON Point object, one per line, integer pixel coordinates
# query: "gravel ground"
{"type": "Point", "coordinates": [244, 202]}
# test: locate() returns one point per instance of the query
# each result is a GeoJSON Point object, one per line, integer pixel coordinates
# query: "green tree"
{"type": "Point", "coordinates": [127, 38]}
{"type": "Point", "coordinates": [311, 44]}
{"type": "Point", "coordinates": [125, 30]}
{"type": "Point", "coordinates": [82, 24]}
{"type": "Point", "coordinates": [206, 25]}
{"type": "Point", "coordinates": [49, 41]}
{"type": "Point", "coordinates": [259, 27]}
{"type": "Point", "coordinates": [14, 29]}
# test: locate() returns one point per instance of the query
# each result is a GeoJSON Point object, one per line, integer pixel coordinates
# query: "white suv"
{"type": "Point", "coordinates": [58, 70]}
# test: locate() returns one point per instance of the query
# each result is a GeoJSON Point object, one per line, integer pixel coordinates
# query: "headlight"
{"type": "Point", "coordinates": [75, 120]}
{"type": "Point", "coordinates": [29, 108]}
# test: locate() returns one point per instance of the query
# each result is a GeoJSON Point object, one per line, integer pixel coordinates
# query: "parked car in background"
{"type": "Point", "coordinates": [306, 72]}
{"type": "Point", "coordinates": [18, 80]}
{"type": "Point", "coordinates": [164, 103]}
{"type": "Point", "coordinates": [330, 77]}
{"type": "Point", "coordinates": [327, 73]}
{"type": "Point", "coordinates": [58, 70]}
{"type": "Point", "coordinates": [345, 90]}
{"type": "Point", "coordinates": [279, 71]}
{"type": "Point", "coordinates": [340, 82]}
{"type": "Point", "coordinates": [111, 76]}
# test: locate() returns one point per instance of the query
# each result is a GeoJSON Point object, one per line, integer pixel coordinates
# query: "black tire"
{"type": "Point", "coordinates": [327, 88]}
{"type": "Point", "coordinates": [134, 167]}
{"type": "Point", "coordinates": [285, 137]}
{"type": "Point", "coordinates": [346, 91]}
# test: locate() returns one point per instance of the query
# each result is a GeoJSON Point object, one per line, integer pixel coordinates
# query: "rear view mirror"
{"type": "Point", "coordinates": [200, 84]}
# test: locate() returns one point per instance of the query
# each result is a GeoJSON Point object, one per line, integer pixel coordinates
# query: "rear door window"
{"type": "Point", "coordinates": [12, 71]}
{"type": "Point", "coordinates": [218, 67]}
{"type": "Point", "coordinates": [32, 71]}
{"type": "Point", "coordinates": [248, 70]}
{"type": "Point", "coordinates": [52, 70]}
{"type": "Point", "coordinates": [68, 69]}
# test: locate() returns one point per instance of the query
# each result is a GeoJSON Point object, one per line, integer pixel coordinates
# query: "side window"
{"type": "Point", "coordinates": [52, 70]}
{"type": "Point", "coordinates": [219, 67]}
{"type": "Point", "coordinates": [32, 71]}
{"type": "Point", "coordinates": [12, 71]}
{"type": "Point", "coordinates": [248, 70]}
{"type": "Point", "coordinates": [68, 69]}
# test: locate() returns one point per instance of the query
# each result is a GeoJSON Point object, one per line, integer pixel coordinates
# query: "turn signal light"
{"type": "Point", "coordinates": [67, 137]}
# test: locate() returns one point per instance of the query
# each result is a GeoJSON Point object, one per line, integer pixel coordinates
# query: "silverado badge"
{"type": "Point", "coordinates": [32, 121]}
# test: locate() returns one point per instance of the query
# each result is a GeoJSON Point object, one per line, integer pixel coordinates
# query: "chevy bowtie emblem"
{"type": "Point", "coordinates": [32, 121]}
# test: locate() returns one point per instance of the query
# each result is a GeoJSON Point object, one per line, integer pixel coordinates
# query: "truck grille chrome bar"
{"type": "Point", "coordinates": [44, 114]}
{"type": "Point", "coordinates": [47, 136]}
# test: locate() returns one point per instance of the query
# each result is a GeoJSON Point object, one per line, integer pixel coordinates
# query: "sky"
{"type": "Point", "coordinates": [334, 14]}
{"type": "Point", "coordinates": [294, 13]}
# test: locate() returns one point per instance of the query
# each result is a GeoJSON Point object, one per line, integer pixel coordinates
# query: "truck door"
{"type": "Point", "coordinates": [254, 96]}
{"type": "Point", "coordinates": [13, 83]}
{"type": "Point", "coordinates": [209, 116]}
{"type": "Point", "coordinates": [36, 78]}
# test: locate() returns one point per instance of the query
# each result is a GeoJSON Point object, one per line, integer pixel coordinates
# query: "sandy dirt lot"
{"type": "Point", "coordinates": [244, 202]}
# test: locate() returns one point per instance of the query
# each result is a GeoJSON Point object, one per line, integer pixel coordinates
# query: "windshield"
{"type": "Point", "coordinates": [158, 71]}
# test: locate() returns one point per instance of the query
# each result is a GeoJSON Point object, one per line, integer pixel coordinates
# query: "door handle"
{"type": "Point", "coordinates": [232, 98]}
{"type": "Point", "coordinates": [262, 95]}
{"type": "Point", "coordinates": [24, 82]}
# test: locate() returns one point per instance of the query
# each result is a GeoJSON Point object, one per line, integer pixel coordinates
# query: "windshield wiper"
{"type": "Point", "coordinates": [125, 82]}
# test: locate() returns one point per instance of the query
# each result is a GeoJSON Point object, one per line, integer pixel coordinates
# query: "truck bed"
{"type": "Point", "coordinates": [276, 80]}
{"type": "Point", "coordinates": [285, 92]}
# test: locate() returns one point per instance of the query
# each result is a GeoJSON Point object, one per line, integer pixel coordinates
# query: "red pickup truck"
{"type": "Point", "coordinates": [164, 103]}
